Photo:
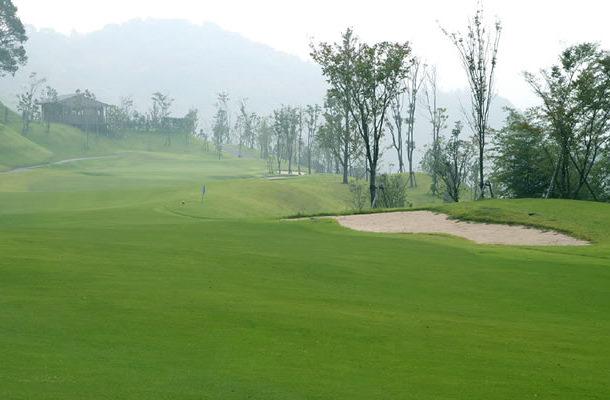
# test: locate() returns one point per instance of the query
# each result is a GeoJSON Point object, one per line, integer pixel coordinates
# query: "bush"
{"type": "Point", "coordinates": [360, 194]}
{"type": "Point", "coordinates": [392, 191]}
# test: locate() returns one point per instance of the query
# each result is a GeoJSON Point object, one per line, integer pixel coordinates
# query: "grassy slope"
{"type": "Point", "coordinates": [110, 287]}
{"type": "Point", "coordinates": [65, 142]}
{"type": "Point", "coordinates": [17, 150]}
{"type": "Point", "coordinates": [583, 219]}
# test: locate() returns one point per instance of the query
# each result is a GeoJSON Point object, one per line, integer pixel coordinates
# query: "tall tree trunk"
{"type": "Point", "coordinates": [401, 163]}
{"type": "Point", "coordinates": [551, 187]}
{"type": "Point", "coordinates": [299, 155]}
{"type": "Point", "coordinates": [481, 173]}
{"type": "Point", "coordinates": [346, 143]}
{"type": "Point", "coordinates": [373, 188]}
{"type": "Point", "coordinates": [309, 159]}
{"type": "Point", "coordinates": [345, 163]}
{"type": "Point", "coordinates": [412, 181]}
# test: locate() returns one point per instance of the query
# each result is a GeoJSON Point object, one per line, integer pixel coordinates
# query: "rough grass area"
{"type": "Point", "coordinates": [60, 142]}
{"type": "Point", "coordinates": [586, 220]}
{"type": "Point", "coordinates": [117, 283]}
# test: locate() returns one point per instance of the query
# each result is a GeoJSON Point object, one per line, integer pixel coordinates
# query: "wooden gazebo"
{"type": "Point", "coordinates": [79, 110]}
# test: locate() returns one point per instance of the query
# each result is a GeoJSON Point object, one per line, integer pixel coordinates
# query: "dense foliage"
{"type": "Point", "coordinates": [12, 39]}
{"type": "Point", "coordinates": [560, 149]}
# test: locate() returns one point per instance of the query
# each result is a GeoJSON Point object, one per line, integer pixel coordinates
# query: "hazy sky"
{"type": "Point", "coordinates": [534, 30]}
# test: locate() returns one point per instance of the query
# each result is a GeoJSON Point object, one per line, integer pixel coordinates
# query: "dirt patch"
{"type": "Point", "coordinates": [429, 222]}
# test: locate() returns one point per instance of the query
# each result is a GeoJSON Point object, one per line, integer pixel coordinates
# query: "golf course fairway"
{"type": "Point", "coordinates": [118, 282]}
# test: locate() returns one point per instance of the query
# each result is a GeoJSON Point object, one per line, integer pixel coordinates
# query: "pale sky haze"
{"type": "Point", "coordinates": [534, 30]}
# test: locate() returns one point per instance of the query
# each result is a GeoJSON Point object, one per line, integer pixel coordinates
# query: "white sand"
{"type": "Point", "coordinates": [428, 222]}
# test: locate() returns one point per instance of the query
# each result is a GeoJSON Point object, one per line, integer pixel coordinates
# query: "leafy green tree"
{"type": "Point", "coordinates": [366, 78]}
{"type": "Point", "coordinates": [392, 191]}
{"type": "Point", "coordinates": [12, 38]}
{"type": "Point", "coordinates": [312, 116]}
{"type": "Point", "coordinates": [334, 136]}
{"type": "Point", "coordinates": [600, 174]}
{"type": "Point", "coordinates": [264, 134]}
{"type": "Point", "coordinates": [246, 121]}
{"type": "Point", "coordinates": [522, 161]}
{"type": "Point", "coordinates": [28, 101]}
{"type": "Point", "coordinates": [299, 141]}
{"type": "Point", "coordinates": [338, 62]}
{"type": "Point", "coordinates": [575, 98]}
{"type": "Point", "coordinates": [452, 163]}
{"type": "Point", "coordinates": [122, 117]}
{"type": "Point", "coordinates": [285, 127]}
{"type": "Point", "coordinates": [127, 112]}
{"type": "Point", "coordinates": [192, 122]}
{"type": "Point", "coordinates": [221, 129]}
{"type": "Point", "coordinates": [160, 111]}
{"type": "Point", "coordinates": [49, 94]}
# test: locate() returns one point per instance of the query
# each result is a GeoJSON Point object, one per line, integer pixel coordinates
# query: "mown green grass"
{"type": "Point", "coordinates": [117, 282]}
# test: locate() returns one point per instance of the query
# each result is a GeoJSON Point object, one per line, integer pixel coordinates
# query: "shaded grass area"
{"type": "Point", "coordinates": [111, 287]}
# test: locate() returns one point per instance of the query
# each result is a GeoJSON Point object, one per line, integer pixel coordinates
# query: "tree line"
{"type": "Point", "coordinates": [559, 149]}
{"type": "Point", "coordinates": [120, 119]}
{"type": "Point", "coordinates": [376, 91]}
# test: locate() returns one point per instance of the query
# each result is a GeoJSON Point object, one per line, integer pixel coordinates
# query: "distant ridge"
{"type": "Point", "coordinates": [192, 63]}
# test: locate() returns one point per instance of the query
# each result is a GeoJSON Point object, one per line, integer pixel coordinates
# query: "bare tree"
{"type": "Point", "coordinates": [398, 122]}
{"type": "Point", "coordinates": [478, 50]}
{"type": "Point", "coordinates": [395, 127]}
{"type": "Point", "coordinates": [414, 84]}
{"type": "Point", "coordinates": [437, 116]}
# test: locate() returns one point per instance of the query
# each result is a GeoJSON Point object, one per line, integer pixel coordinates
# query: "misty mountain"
{"type": "Point", "coordinates": [192, 63]}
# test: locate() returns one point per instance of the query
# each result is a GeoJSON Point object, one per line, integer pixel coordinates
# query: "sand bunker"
{"type": "Point", "coordinates": [429, 222]}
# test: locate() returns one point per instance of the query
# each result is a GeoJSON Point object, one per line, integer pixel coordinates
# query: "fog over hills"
{"type": "Point", "coordinates": [190, 62]}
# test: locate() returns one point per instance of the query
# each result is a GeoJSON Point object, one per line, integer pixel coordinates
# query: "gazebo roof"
{"type": "Point", "coordinates": [76, 99]}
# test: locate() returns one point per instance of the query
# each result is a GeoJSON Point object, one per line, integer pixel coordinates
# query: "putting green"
{"type": "Point", "coordinates": [116, 282]}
